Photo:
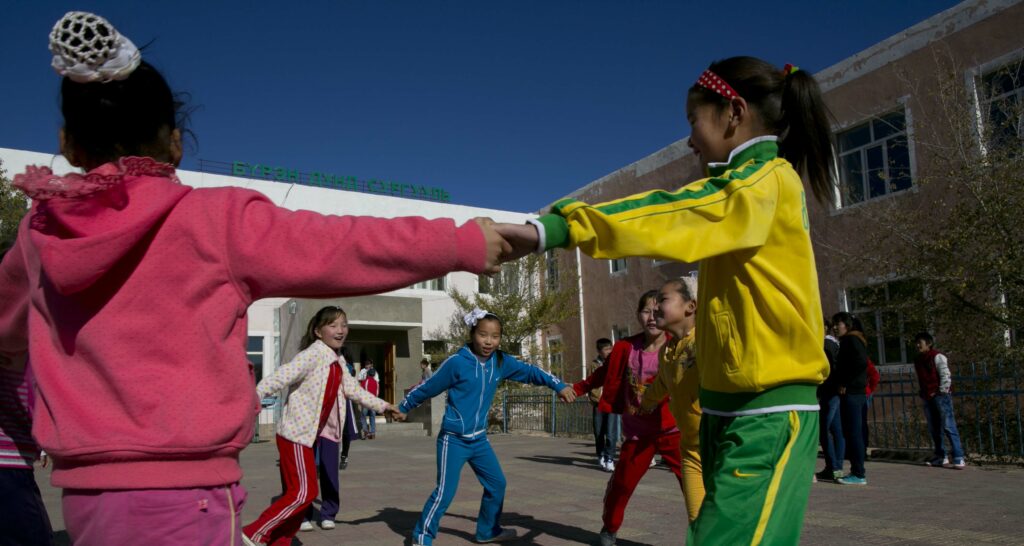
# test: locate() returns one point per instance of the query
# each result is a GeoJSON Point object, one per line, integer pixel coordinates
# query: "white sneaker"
{"type": "Point", "coordinates": [306, 526]}
{"type": "Point", "coordinates": [609, 465]}
{"type": "Point", "coordinates": [327, 525]}
{"type": "Point", "coordinates": [654, 463]}
{"type": "Point", "coordinates": [248, 541]}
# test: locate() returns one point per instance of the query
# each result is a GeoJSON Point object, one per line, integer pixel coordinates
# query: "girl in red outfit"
{"type": "Point", "coordinates": [632, 365]}
{"type": "Point", "coordinates": [314, 379]}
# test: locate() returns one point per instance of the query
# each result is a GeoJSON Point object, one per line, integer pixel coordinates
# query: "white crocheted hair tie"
{"type": "Point", "coordinates": [474, 316]}
{"type": "Point", "coordinates": [87, 48]}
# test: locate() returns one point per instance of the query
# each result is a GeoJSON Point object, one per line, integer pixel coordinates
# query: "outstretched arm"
{"type": "Point", "coordinates": [441, 381]}
{"type": "Point", "coordinates": [516, 370]}
{"type": "Point", "coordinates": [287, 374]}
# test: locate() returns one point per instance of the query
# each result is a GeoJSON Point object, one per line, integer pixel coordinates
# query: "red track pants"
{"type": "Point", "coordinates": [280, 522]}
{"type": "Point", "coordinates": [634, 461]}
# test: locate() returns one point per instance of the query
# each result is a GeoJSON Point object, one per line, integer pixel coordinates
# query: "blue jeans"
{"type": "Point", "coordinates": [851, 407]}
{"type": "Point", "coordinates": [938, 412]}
{"type": "Point", "coordinates": [830, 427]}
{"type": "Point", "coordinates": [607, 430]}
{"type": "Point", "coordinates": [370, 419]}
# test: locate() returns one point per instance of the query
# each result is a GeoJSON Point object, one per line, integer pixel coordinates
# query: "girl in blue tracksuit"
{"type": "Point", "coordinates": [471, 377]}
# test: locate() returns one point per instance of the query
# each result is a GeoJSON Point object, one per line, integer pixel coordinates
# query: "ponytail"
{"type": "Point", "coordinates": [790, 106]}
{"type": "Point", "coordinates": [806, 140]}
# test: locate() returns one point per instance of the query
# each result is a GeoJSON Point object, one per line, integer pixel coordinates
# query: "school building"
{"type": "Point", "coordinates": [881, 98]}
{"type": "Point", "coordinates": [391, 328]}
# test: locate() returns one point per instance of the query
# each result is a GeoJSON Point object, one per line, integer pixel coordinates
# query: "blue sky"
{"type": "Point", "coordinates": [505, 105]}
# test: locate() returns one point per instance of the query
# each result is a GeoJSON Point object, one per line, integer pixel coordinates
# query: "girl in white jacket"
{"type": "Point", "coordinates": [316, 380]}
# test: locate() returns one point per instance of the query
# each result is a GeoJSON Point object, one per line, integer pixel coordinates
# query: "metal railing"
{"type": "Point", "coordinates": [987, 400]}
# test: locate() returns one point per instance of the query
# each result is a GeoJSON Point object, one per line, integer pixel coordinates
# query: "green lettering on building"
{"type": "Point", "coordinates": [334, 181]}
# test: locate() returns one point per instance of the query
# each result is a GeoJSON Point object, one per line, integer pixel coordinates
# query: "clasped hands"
{"type": "Point", "coordinates": [506, 242]}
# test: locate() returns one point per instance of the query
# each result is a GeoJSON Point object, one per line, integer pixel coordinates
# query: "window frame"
{"type": "Point", "coordinates": [902, 103]}
{"type": "Point", "coordinates": [972, 80]}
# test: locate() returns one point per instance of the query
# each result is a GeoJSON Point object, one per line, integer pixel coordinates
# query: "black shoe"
{"type": "Point", "coordinates": [344, 462]}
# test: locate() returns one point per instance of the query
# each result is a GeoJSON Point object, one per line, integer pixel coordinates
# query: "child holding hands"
{"type": "Point", "coordinates": [471, 377]}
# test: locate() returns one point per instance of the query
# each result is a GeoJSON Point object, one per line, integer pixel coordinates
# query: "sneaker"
{"type": "Point", "coordinates": [327, 525]}
{"type": "Point", "coordinates": [344, 462]}
{"type": "Point", "coordinates": [504, 535]}
{"type": "Point", "coordinates": [937, 462]}
{"type": "Point", "coordinates": [246, 541]}
{"type": "Point", "coordinates": [852, 480]}
{"type": "Point", "coordinates": [606, 538]}
{"type": "Point", "coordinates": [826, 475]}
{"type": "Point", "coordinates": [654, 463]}
{"type": "Point", "coordinates": [960, 464]}
{"type": "Point", "coordinates": [837, 475]}
{"type": "Point", "coordinates": [306, 526]}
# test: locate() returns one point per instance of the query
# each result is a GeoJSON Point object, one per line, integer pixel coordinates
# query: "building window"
{"type": "Point", "coordinates": [254, 352]}
{"type": "Point", "coordinates": [439, 284]}
{"type": "Point", "coordinates": [619, 332]}
{"type": "Point", "coordinates": [874, 158]}
{"type": "Point", "coordinates": [555, 349]}
{"type": "Point", "coordinates": [1002, 105]}
{"type": "Point", "coordinates": [551, 272]}
{"type": "Point", "coordinates": [617, 266]}
{"type": "Point", "coordinates": [891, 313]}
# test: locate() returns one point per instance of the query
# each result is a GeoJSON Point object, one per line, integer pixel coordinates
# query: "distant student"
{"type": "Point", "coordinates": [678, 380]}
{"type": "Point", "coordinates": [315, 380]}
{"type": "Point", "coordinates": [607, 426]}
{"type": "Point", "coordinates": [830, 426]}
{"type": "Point", "coordinates": [471, 377]}
{"type": "Point", "coordinates": [757, 129]}
{"type": "Point", "coordinates": [851, 381]}
{"type": "Point", "coordinates": [369, 380]}
{"type": "Point", "coordinates": [932, 368]}
{"type": "Point", "coordinates": [135, 288]}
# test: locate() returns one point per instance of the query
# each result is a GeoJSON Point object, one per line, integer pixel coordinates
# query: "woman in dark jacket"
{"type": "Point", "coordinates": [851, 380]}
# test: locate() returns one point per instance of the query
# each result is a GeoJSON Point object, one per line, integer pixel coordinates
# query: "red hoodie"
{"type": "Point", "coordinates": [132, 301]}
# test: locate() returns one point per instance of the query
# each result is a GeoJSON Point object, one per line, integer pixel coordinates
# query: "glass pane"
{"type": "Point", "coordinates": [254, 345]}
{"type": "Point", "coordinates": [891, 339]}
{"type": "Point", "coordinates": [899, 163]}
{"type": "Point", "coordinates": [1003, 121]}
{"type": "Point", "coordinates": [853, 179]}
{"type": "Point", "coordinates": [889, 125]}
{"type": "Point", "coordinates": [876, 172]}
{"type": "Point", "coordinates": [854, 137]}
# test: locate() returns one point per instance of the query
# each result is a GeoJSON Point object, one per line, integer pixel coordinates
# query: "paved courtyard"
{"type": "Point", "coordinates": [555, 489]}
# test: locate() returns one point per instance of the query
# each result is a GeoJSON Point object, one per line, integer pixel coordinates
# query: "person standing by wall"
{"type": "Point", "coordinates": [830, 425]}
{"type": "Point", "coordinates": [932, 368]}
{"type": "Point", "coordinates": [369, 380]}
{"type": "Point", "coordinates": [851, 379]}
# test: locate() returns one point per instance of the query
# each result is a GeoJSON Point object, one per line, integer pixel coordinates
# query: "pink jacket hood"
{"type": "Point", "coordinates": [80, 240]}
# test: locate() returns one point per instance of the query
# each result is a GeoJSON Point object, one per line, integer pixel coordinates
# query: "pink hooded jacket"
{"type": "Point", "coordinates": [130, 292]}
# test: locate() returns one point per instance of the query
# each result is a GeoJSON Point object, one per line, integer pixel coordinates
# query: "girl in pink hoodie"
{"type": "Point", "coordinates": [145, 436]}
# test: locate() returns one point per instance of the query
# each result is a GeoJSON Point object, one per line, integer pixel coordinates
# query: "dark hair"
{"type": "Point", "coordinates": [130, 117]}
{"type": "Point", "coordinates": [790, 106]}
{"type": "Point", "coordinates": [647, 296]}
{"type": "Point", "coordinates": [424, 361]}
{"type": "Point", "coordinates": [472, 330]}
{"type": "Point", "coordinates": [852, 323]}
{"type": "Point", "coordinates": [603, 343]}
{"type": "Point", "coordinates": [323, 317]}
{"type": "Point", "coordinates": [925, 337]}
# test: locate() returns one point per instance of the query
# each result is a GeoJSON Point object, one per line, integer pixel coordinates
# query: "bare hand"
{"type": "Point", "coordinates": [523, 239]}
{"type": "Point", "coordinates": [396, 414]}
{"type": "Point", "coordinates": [567, 395]}
{"type": "Point", "coordinates": [497, 246]}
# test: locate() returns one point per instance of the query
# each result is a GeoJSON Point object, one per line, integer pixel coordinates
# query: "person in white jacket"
{"type": "Point", "coordinates": [315, 380]}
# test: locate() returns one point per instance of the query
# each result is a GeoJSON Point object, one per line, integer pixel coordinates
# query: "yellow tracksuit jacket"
{"type": "Point", "coordinates": [678, 379]}
{"type": "Point", "coordinates": [759, 322]}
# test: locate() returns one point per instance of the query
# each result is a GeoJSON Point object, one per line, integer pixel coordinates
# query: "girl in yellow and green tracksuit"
{"type": "Point", "coordinates": [759, 324]}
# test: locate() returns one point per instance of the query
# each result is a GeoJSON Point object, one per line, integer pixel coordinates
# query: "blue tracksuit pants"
{"type": "Point", "coordinates": [453, 451]}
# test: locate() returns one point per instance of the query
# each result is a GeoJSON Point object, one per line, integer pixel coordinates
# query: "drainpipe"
{"type": "Point", "coordinates": [583, 330]}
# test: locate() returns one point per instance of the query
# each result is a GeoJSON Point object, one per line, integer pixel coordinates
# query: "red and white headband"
{"type": "Point", "coordinates": [710, 80]}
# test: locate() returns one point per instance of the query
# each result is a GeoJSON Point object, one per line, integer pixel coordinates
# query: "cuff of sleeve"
{"type": "Point", "coordinates": [553, 230]}
{"type": "Point", "coordinates": [403, 407]}
{"type": "Point", "coordinates": [541, 235]}
{"type": "Point", "coordinates": [471, 248]}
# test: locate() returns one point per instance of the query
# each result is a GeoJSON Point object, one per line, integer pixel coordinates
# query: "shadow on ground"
{"type": "Point", "coordinates": [402, 522]}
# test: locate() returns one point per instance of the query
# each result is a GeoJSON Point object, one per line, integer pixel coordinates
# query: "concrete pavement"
{"type": "Point", "coordinates": [555, 489]}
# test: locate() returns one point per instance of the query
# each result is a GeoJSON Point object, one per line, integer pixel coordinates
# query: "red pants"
{"type": "Point", "coordinates": [634, 461]}
{"type": "Point", "coordinates": [279, 523]}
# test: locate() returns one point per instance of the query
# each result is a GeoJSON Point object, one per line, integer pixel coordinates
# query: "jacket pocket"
{"type": "Point", "coordinates": [725, 329]}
